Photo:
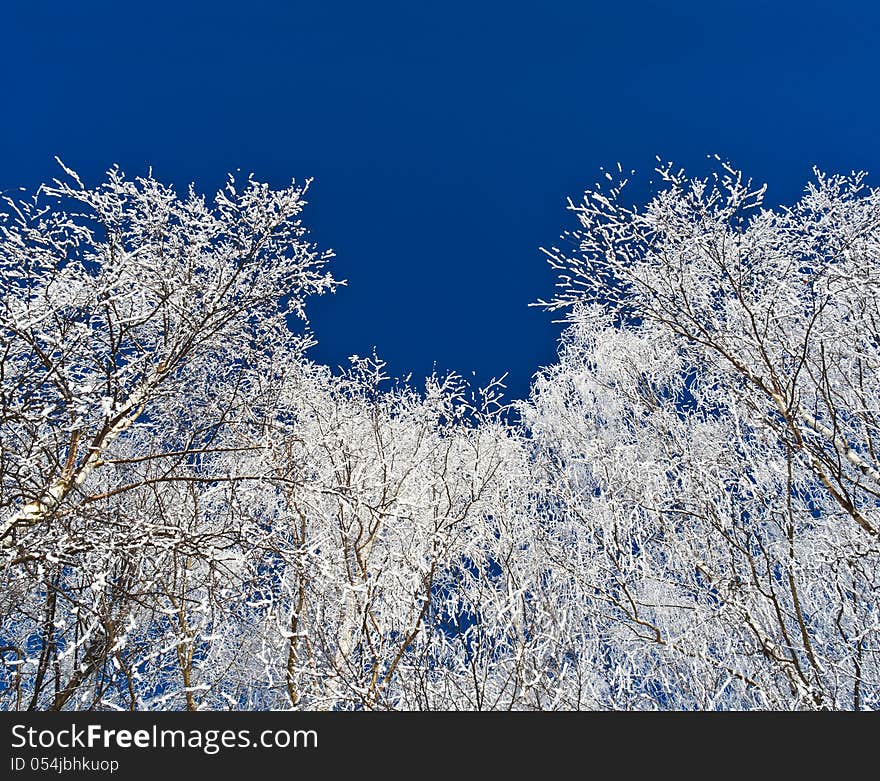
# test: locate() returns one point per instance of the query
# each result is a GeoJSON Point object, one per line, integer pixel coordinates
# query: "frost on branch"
{"type": "Point", "coordinates": [683, 514]}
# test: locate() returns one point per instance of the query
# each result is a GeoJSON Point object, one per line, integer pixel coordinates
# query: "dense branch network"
{"type": "Point", "coordinates": [684, 514]}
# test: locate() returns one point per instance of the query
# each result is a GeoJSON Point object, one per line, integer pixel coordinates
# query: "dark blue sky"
{"type": "Point", "coordinates": [443, 137]}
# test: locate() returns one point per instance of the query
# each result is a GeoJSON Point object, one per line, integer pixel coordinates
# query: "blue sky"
{"type": "Point", "coordinates": [443, 137]}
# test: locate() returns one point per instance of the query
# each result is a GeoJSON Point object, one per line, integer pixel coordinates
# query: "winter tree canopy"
{"type": "Point", "coordinates": [683, 514]}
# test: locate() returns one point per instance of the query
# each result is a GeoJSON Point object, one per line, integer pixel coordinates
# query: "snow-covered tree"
{"type": "Point", "coordinates": [710, 430]}
{"type": "Point", "coordinates": [138, 331]}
